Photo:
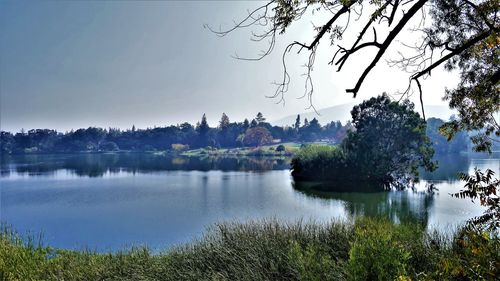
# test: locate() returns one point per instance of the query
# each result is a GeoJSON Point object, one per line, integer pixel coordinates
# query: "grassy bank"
{"type": "Point", "coordinates": [366, 250]}
{"type": "Point", "coordinates": [266, 150]}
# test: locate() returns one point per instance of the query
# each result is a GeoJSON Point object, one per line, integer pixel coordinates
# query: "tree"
{"type": "Point", "coordinates": [311, 130]}
{"type": "Point", "coordinates": [257, 136]}
{"type": "Point", "coordinates": [7, 143]}
{"type": "Point", "coordinates": [484, 186]}
{"type": "Point", "coordinates": [224, 122]}
{"type": "Point", "coordinates": [389, 143]}
{"type": "Point", "coordinates": [385, 149]}
{"type": "Point", "coordinates": [440, 143]}
{"type": "Point", "coordinates": [246, 124]}
{"type": "Point", "coordinates": [260, 118]}
{"type": "Point", "coordinates": [462, 34]}
{"type": "Point", "coordinates": [253, 123]}
{"type": "Point", "coordinates": [297, 122]}
{"type": "Point", "coordinates": [203, 130]}
{"type": "Point", "coordinates": [109, 146]}
{"type": "Point", "coordinates": [203, 126]}
{"type": "Point", "coordinates": [306, 123]}
{"type": "Point", "coordinates": [280, 148]}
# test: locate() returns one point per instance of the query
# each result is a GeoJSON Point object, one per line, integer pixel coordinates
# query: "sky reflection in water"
{"type": "Point", "coordinates": [105, 202]}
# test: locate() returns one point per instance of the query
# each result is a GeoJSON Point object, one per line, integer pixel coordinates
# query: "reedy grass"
{"type": "Point", "coordinates": [368, 249]}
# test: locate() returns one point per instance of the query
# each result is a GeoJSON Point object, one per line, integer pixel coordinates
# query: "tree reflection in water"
{"type": "Point", "coordinates": [97, 165]}
{"type": "Point", "coordinates": [398, 206]}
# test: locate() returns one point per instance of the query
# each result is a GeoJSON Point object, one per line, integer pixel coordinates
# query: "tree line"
{"type": "Point", "coordinates": [183, 136]}
{"type": "Point", "coordinates": [226, 134]}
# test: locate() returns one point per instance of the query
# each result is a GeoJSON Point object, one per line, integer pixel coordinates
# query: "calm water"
{"type": "Point", "coordinates": [105, 202]}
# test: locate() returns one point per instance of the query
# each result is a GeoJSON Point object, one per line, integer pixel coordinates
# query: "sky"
{"type": "Point", "coordinates": [71, 64]}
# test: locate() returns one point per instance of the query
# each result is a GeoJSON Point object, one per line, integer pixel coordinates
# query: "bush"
{"type": "Point", "coordinates": [380, 251]}
{"type": "Point", "coordinates": [280, 148]}
{"type": "Point", "coordinates": [319, 162]}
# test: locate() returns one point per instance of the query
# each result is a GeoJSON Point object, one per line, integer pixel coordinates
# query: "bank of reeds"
{"type": "Point", "coordinates": [369, 249]}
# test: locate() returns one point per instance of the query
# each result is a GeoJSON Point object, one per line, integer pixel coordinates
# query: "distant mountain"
{"type": "Point", "coordinates": [343, 113]}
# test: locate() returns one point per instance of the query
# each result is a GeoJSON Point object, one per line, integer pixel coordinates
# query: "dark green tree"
{"type": "Point", "coordinates": [388, 143]}
{"type": "Point", "coordinates": [246, 124]}
{"type": "Point", "coordinates": [260, 118]}
{"type": "Point", "coordinates": [224, 122]}
{"type": "Point", "coordinates": [254, 123]}
{"type": "Point", "coordinates": [297, 123]}
{"type": "Point", "coordinates": [203, 126]}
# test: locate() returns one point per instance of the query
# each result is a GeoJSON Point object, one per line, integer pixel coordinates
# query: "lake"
{"type": "Point", "coordinates": [105, 202]}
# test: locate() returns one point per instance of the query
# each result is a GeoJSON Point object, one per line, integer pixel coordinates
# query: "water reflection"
{"type": "Point", "coordinates": [97, 165]}
{"type": "Point", "coordinates": [106, 201]}
{"type": "Point", "coordinates": [398, 206]}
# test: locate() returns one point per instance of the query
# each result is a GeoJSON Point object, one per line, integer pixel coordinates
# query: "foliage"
{"type": "Point", "coordinates": [485, 187]}
{"type": "Point", "coordinates": [381, 250]}
{"type": "Point", "coordinates": [389, 142]}
{"type": "Point", "coordinates": [312, 263]}
{"type": "Point", "coordinates": [227, 135]}
{"type": "Point", "coordinates": [386, 147]}
{"type": "Point", "coordinates": [257, 136]}
{"type": "Point", "coordinates": [320, 162]}
{"type": "Point", "coordinates": [260, 118]}
{"type": "Point", "coordinates": [369, 249]}
{"type": "Point", "coordinates": [475, 25]}
{"type": "Point", "coordinates": [280, 148]}
{"type": "Point", "coordinates": [440, 143]}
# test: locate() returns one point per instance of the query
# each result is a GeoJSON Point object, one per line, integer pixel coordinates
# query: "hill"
{"type": "Point", "coordinates": [343, 113]}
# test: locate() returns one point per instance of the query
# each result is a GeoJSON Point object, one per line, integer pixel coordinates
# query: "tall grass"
{"type": "Point", "coordinates": [369, 249]}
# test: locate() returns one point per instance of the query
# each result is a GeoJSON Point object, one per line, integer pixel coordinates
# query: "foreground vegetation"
{"type": "Point", "coordinates": [369, 249]}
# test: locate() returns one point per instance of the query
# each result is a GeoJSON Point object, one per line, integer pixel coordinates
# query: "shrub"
{"type": "Point", "coordinates": [319, 162]}
{"type": "Point", "coordinates": [280, 148]}
{"type": "Point", "coordinates": [380, 251]}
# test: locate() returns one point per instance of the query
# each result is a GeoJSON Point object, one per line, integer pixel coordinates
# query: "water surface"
{"type": "Point", "coordinates": [106, 202]}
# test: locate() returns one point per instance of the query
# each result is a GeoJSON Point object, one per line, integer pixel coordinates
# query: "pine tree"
{"type": "Point", "coordinates": [224, 121]}
{"type": "Point", "coordinates": [253, 123]}
{"type": "Point", "coordinates": [203, 127]}
{"type": "Point", "coordinates": [246, 124]}
{"type": "Point", "coordinates": [260, 118]}
{"type": "Point", "coordinates": [297, 122]}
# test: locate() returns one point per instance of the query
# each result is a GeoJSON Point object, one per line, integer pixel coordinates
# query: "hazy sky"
{"type": "Point", "coordinates": [71, 64]}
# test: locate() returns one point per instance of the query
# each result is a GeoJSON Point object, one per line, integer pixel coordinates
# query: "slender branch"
{"type": "Point", "coordinates": [411, 12]}
{"type": "Point", "coordinates": [455, 52]}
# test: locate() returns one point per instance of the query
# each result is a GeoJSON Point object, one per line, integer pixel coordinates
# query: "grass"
{"type": "Point", "coordinates": [265, 150]}
{"type": "Point", "coordinates": [369, 249]}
